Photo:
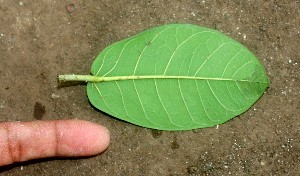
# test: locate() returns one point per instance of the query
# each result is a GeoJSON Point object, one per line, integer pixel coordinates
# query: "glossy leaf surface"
{"type": "Point", "coordinates": [176, 77]}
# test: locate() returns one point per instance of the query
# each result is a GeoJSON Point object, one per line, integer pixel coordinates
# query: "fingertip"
{"type": "Point", "coordinates": [83, 138]}
{"type": "Point", "coordinates": [103, 139]}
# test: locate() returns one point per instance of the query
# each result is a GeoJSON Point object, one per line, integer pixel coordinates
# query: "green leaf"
{"type": "Point", "coordinates": [176, 77]}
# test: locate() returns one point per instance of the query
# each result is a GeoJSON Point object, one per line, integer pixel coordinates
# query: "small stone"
{"type": "Point", "coordinates": [70, 7]}
{"type": "Point", "coordinates": [55, 96]}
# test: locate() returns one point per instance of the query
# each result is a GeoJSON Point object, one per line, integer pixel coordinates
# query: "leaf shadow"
{"type": "Point", "coordinates": [62, 84]}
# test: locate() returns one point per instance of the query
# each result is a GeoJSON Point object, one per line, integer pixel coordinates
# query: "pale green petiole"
{"type": "Point", "coordinates": [86, 78]}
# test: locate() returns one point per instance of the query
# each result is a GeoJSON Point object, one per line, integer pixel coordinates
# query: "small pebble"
{"type": "Point", "coordinates": [70, 7]}
{"type": "Point", "coordinates": [55, 96]}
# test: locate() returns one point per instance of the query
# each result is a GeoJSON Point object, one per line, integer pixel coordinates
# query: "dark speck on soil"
{"type": "Point", "coordinates": [156, 133]}
{"type": "Point", "coordinates": [175, 144]}
{"type": "Point", "coordinates": [39, 111]}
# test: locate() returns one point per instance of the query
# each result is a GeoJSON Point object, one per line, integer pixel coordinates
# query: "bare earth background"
{"type": "Point", "coordinates": [42, 39]}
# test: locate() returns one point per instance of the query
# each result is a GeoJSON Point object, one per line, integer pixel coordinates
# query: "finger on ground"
{"type": "Point", "coordinates": [22, 141]}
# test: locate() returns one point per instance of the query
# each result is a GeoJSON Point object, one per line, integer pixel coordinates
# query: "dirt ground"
{"type": "Point", "coordinates": [42, 39]}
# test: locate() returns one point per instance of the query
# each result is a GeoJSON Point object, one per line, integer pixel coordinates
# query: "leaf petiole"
{"type": "Point", "coordinates": [86, 78]}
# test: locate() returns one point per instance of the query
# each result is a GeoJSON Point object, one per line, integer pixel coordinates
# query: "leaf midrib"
{"type": "Point", "coordinates": [98, 79]}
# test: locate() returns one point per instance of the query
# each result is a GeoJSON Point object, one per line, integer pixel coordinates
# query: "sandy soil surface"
{"type": "Point", "coordinates": [42, 39]}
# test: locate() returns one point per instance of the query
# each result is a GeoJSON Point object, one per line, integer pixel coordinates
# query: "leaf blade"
{"type": "Point", "coordinates": [159, 77]}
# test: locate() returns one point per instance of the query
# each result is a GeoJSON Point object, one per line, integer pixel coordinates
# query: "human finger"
{"type": "Point", "coordinates": [22, 141]}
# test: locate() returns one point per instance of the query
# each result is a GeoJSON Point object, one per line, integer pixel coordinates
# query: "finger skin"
{"type": "Point", "coordinates": [22, 141]}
